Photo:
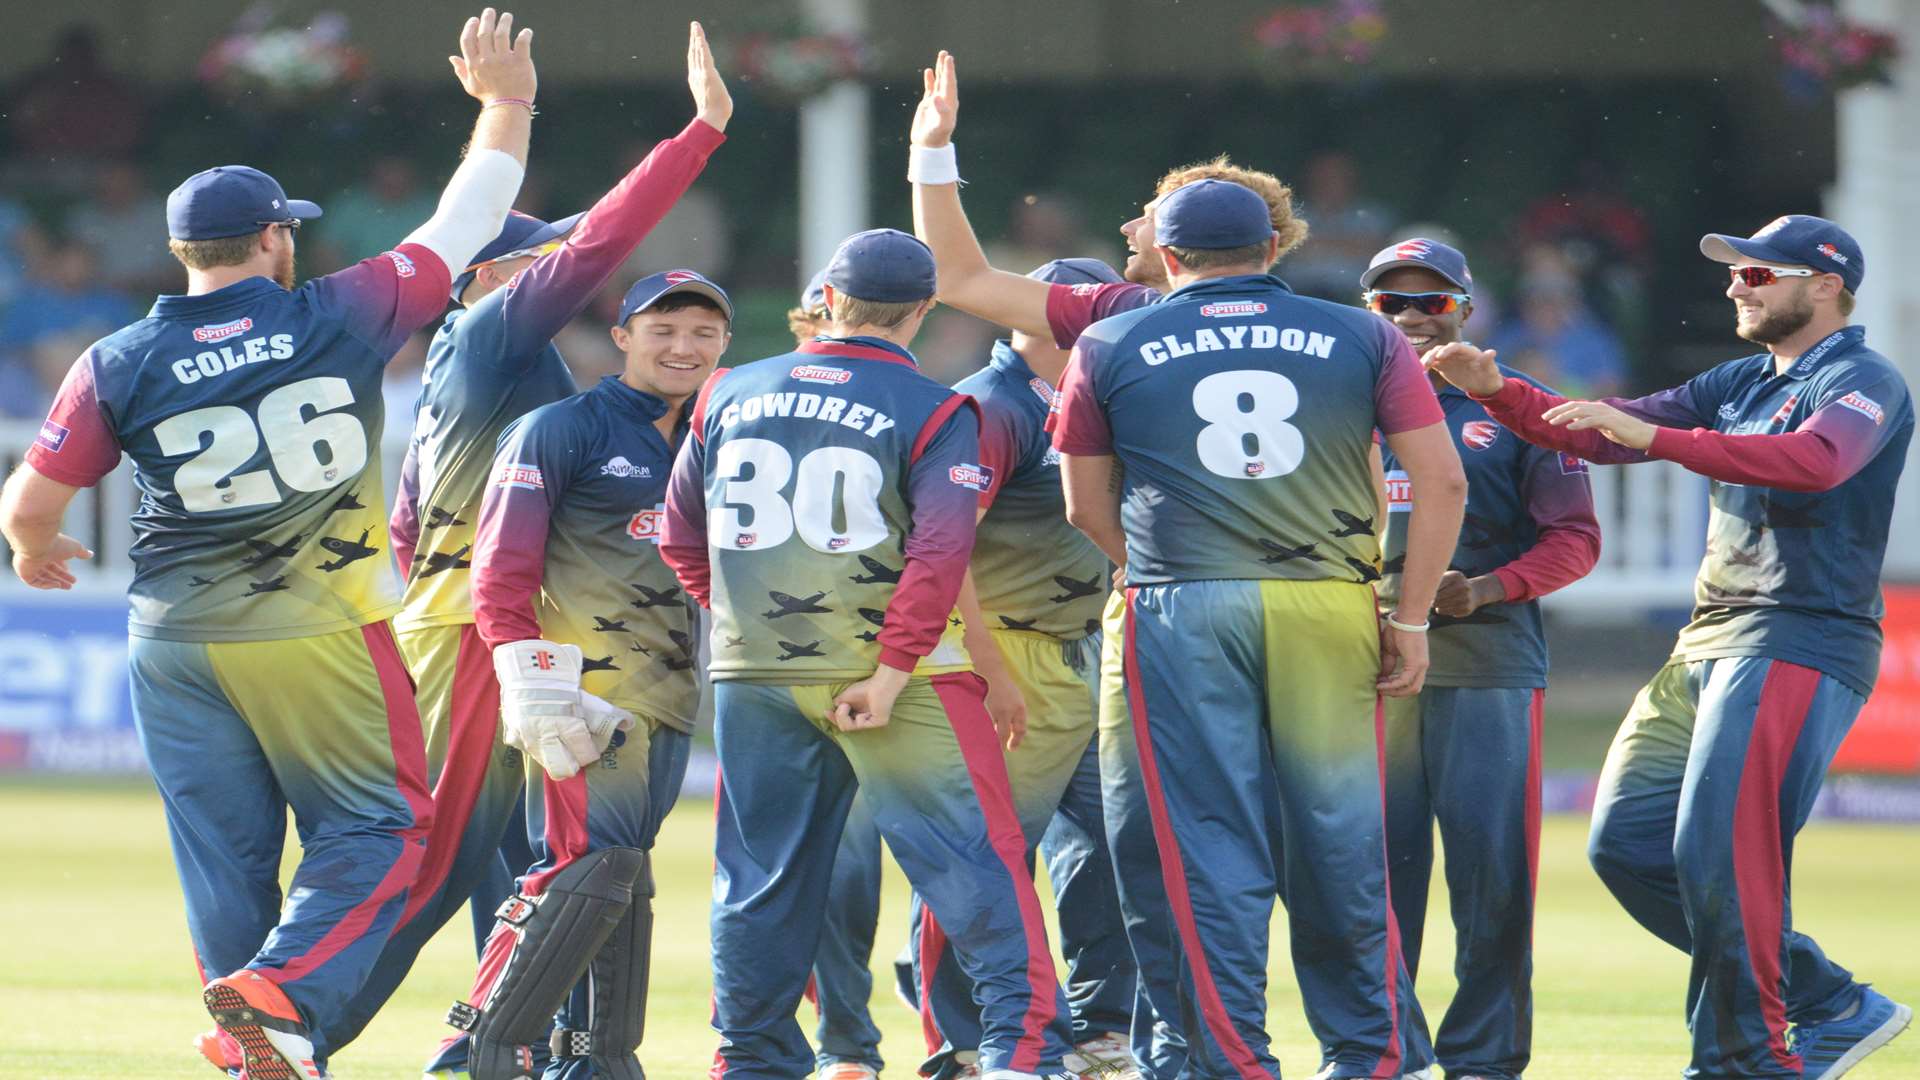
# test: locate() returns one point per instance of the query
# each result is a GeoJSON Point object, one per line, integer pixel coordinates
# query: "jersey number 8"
{"type": "Point", "coordinates": [1247, 436]}
{"type": "Point", "coordinates": [207, 481]}
{"type": "Point", "coordinates": [832, 482]}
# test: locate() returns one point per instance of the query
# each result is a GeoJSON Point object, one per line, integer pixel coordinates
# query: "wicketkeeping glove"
{"type": "Point", "coordinates": [543, 711]}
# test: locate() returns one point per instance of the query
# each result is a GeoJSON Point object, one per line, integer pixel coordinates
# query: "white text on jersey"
{"type": "Point", "coordinates": [826, 409]}
{"type": "Point", "coordinates": [191, 369]}
{"type": "Point", "coordinates": [1216, 338]}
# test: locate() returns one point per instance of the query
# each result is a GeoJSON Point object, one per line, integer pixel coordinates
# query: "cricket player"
{"type": "Point", "coordinates": [264, 675]}
{"type": "Point", "coordinates": [1035, 590]}
{"type": "Point", "coordinates": [1062, 311]}
{"type": "Point", "coordinates": [1217, 444]}
{"type": "Point", "coordinates": [491, 362]}
{"type": "Point", "coordinates": [570, 594]}
{"type": "Point", "coordinates": [1717, 764]}
{"type": "Point", "coordinates": [823, 507]}
{"type": "Point", "coordinates": [1466, 750]}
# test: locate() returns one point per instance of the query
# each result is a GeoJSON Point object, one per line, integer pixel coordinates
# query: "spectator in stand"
{"type": "Point", "coordinates": [71, 111]}
{"type": "Point", "coordinates": [374, 214]}
{"type": "Point", "coordinates": [126, 226]}
{"type": "Point", "coordinates": [62, 293]}
{"type": "Point", "coordinates": [19, 236]}
{"type": "Point", "coordinates": [1347, 228]}
{"type": "Point", "coordinates": [1557, 339]}
{"type": "Point", "coordinates": [1606, 240]}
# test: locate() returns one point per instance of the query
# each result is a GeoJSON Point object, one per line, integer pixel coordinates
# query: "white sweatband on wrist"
{"type": "Point", "coordinates": [1409, 628]}
{"type": "Point", "coordinates": [932, 165]}
{"type": "Point", "coordinates": [472, 208]}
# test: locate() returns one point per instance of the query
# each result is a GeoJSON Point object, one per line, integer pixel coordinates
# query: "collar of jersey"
{"type": "Point", "coordinates": [627, 399]}
{"type": "Point", "coordinates": [1231, 283]}
{"type": "Point", "coordinates": [1840, 341]}
{"type": "Point", "coordinates": [1008, 359]}
{"type": "Point", "coordinates": [859, 348]}
{"type": "Point", "coordinates": [240, 292]}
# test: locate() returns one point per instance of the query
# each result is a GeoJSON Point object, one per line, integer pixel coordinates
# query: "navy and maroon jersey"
{"type": "Point", "coordinates": [253, 418]}
{"type": "Point", "coordinates": [1032, 570]}
{"type": "Point", "coordinates": [568, 549]}
{"type": "Point", "coordinates": [1242, 416]}
{"type": "Point", "coordinates": [1529, 523]}
{"type": "Point", "coordinates": [1073, 308]}
{"type": "Point", "coordinates": [823, 507]}
{"type": "Point", "coordinates": [1804, 466]}
{"type": "Point", "coordinates": [492, 363]}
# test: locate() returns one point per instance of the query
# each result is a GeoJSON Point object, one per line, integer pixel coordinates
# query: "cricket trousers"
{"type": "Point", "coordinates": [618, 801]}
{"type": "Point", "coordinates": [1056, 795]}
{"type": "Point", "coordinates": [1469, 758]}
{"type": "Point", "coordinates": [935, 781]}
{"type": "Point", "coordinates": [477, 788]}
{"type": "Point", "coordinates": [239, 732]}
{"type": "Point", "coordinates": [1713, 772]}
{"type": "Point", "coordinates": [842, 987]}
{"type": "Point", "coordinates": [1249, 697]}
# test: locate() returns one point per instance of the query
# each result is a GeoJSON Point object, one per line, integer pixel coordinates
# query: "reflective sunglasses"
{"type": "Point", "coordinates": [1427, 303]}
{"type": "Point", "coordinates": [1756, 276]}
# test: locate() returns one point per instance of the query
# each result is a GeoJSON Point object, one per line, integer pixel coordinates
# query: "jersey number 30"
{"type": "Point", "coordinates": [1247, 436]}
{"type": "Point", "coordinates": [208, 481]}
{"type": "Point", "coordinates": [835, 505]}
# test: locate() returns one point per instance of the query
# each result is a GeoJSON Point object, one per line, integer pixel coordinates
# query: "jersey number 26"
{"type": "Point", "coordinates": [208, 480]}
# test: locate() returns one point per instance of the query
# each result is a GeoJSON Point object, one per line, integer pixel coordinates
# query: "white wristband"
{"type": "Point", "coordinates": [1408, 628]}
{"type": "Point", "coordinates": [932, 165]}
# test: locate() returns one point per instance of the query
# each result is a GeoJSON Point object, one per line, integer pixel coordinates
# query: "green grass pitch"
{"type": "Point", "coordinates": [96, 976]}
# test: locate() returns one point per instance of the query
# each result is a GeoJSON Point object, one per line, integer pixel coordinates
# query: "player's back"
{"type": "Point", "coordinates": [253, 417]}
{"type": "Point", "coordinates": [1241, 416]}
{"type": "Point", "coordinates": [807, 459]}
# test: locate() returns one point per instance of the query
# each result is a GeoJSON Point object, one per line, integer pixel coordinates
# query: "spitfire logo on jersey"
{"type": "Point", "coordinates": [1229, 309]}
{"type": "Point", "coordinates": [222, 331]}
{"type": "Point", "coordinates": [515, 475]}
{"type": "Point", "coordinates": [1043, 391]}
{"type": "Point", "coordinates": [1399, 492]}
{"type": "Point", "coordinates": [1865, 406]}
{"type": "Point", "coordinates": [1479, 434]}
{"type": "Point", "coordinates": [191, 369]}
{"type": "Point", "coordinates": [402, 265]}
{"type": "Point", "coordinates": [977, 477]}
{"type": "Point", "coordinates": [819, 373]}
{"type": "Point", "coordinates": [646, 524]}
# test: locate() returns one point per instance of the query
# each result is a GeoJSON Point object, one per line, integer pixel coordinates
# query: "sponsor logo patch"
{"type": "Point", "coordinates": [977, 477]}
{"type": "Point", "coordinates": [745, 540]}
{"type": "Point", "coordinates": [820, 373]}
{"type": "Point", "coordinates": [1228, 309]}
{"type": "Point", "coordinates": [1571, 466]}
{"type": "Point", "coordinates": [1832, 252]}
{"type": "Point", "coordinates": [1255, 468]}
{"type": "Point", "coordinates": [1412, 249]}
{"type": "Point", "coordinates": [681, 277]}
{"type": "Point", "coordinates": [621, 467]}
{"type": "Point", "coordinates": [837, 542]}
{"type": "Point", "coordinates": [223, 331]}
{"type": "Point", "coordinates": [1729, 411]}
{"type": "Point", "coordinates": [1479, 434]}
{"type": "Point", "coordinates": [520, 476]}
{"type": "Point", "coordinates": [1046, 393]}
{"type": "Point", "coordinates": [1399, 492]}
{"type": "Point", "coordinates": [52, 437]}
{"type": "Point", "coordinates": [1086, 289]}
{"type": "Point", "coordinates": [402, 265]}
{"type": "Point", "coordinates": [646, 524]}
{"type": "Point", "coordinates": [1865, 406]}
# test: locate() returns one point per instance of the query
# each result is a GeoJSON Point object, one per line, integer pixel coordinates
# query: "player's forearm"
{"type": "Point", "coordinates": [31, 509]}
{"type": "Point", "coordinates": [1091, 484]}
{"type": "Point", "coordinates": [929, 588]}
{"type": "Point", "coordinates": [472, 208]}
{"type": "Point", "coordinates": [509, 561]}
{"type": "Point", "coordinates": [1804, 460]}
{"type": "Point", "coordinates": [683, 539]}
{"type": "Point", "coordinates": [1518, 405]}
{"type": "Point", "coordinates": [967, 280]}
{"type": "Point", "coordinates": [1562, 555]}
{"type": "Point", "coordinates": [507, 128]}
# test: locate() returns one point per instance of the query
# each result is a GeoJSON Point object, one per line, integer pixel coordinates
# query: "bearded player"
{"type": "Point", "coordinates": [823, 507]}
{"type": "Point", "coordinates": [1718, 762]}
{"type": "Point", "coordinates": [264, 675]}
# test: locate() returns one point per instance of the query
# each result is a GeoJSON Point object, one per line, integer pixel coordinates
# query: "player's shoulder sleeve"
{"type": "Point", "coordinates": [76, 444]}
{"type": "Point", "coordinates": [1403, 397]}
{"type": "Point", "coordinates": [1006, 429]}
{"type": "Point", "coordinates": [1079, 419]}
{"type": "Point", "coordinates": [1073, 308]}
{"type": "Point", "coordinates": [1860, 399]}
{"type": "Point", "coordinates": [383, 299]}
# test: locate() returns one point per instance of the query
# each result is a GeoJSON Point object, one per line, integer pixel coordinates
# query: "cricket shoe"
{"type": "Point", "coordinates": [1830, 1048]}
{"type": "Point", "coordinates": [1107, 1057]}
{"type": "Point", "coordinates": [849, 1070]}
{"type": "Point", "coordinates": [221, 1051]}
{"type": "Point", "coordinates": [255, 1012]}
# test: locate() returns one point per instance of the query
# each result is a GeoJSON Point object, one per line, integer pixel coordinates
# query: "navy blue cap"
{"type": "Point", "coordinates": [1796, 240]}
{"type": "Point", "coordinates": [814, 297]}
{"type": "Point", "coordinates": [230, 200]}
{"type": "Point", "coordinates": [886, 266]}
{"type": "Point", "coordinates": [648, 290]}
{"type": "Point", "coordinates": [1427, 254]}
{"type": "Point", "coordinates": [1075, 272]}
{"type": "Point", "coordinates": [522, 231]}
{"type": "Point", "coordinates": [1210, 215]}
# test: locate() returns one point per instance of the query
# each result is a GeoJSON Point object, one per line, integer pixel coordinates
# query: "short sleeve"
{"type": "Point", "coordinates": [1073, 308]}
{"type": "Point", "coordinates": [76, 446]}
{"type": "Point", "coordinates": [1079, 420]}
{"type": "Point", "coordinates": [1403, 398]}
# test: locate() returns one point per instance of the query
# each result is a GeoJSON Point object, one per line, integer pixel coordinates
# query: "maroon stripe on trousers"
{"type": "Point", "coordinates": [1759, 866]}
{"type": "Point", "coordinates": [1389, 1062]}
{"type": "Point", "coordinates": [473, 725]}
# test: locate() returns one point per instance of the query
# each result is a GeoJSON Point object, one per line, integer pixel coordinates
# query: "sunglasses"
{"type": "Point", "coordinates": [290, 224]}
{"type": "Point", "coordinates": [1427, 303]}
{"type": "Point", "coordinates": [1756, 276]}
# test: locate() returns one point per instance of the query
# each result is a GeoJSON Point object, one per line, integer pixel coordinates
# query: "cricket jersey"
{"type": "Point", "coordinates": [1241, 416]}
{"type": "Point", "coordinates": [492, 363]}
{"type": "Point", "coordinates": [1529, 522]}
{"type": "Point", "coordinates": [253, 417]}
{"type": "Point", "coordinates": [1804, 466]}
{"type": "Point", "coordinates": [567, 549]}
{"type": "Point", "coordinates": [1032, 570]}
{"type": "Point", "coordinates": [1073, 308]}
{"type": "Point", "coordinates": [823, 507]}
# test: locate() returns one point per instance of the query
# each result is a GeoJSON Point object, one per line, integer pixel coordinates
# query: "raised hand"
{"type": "Point", "coordinates": [493, 64]}
{"type": "Point", "coordinates": [939, 110]}
{"type": "Point", "coordinates": [711, 102]}
{"type": "Point", "coordinates": [1466, 367]}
